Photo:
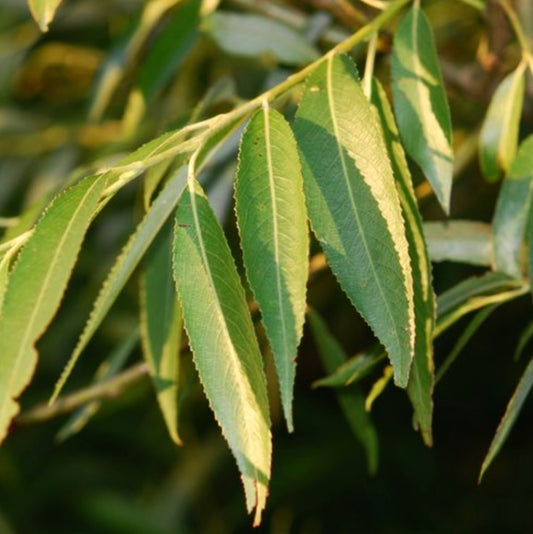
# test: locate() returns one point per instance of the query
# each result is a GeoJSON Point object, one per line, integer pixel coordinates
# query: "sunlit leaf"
{"type": "Point", "coordinates": [223, 342]}
{"type": "Point", "coordinates": [351, 399]}
{"type": "Point", "coordinates": [272, 220]}
{"type": "Point", "coordinates": [43, 11]}
{"type": "Point", "coordinates": [459, 241]}
{"type": "Point", "coordinates": [378, 387]}
{"type": "Point", "coordinates": [254, 36]}
{"type": "Point", "coordinates": [353, 205]}
{"type": "Point", "coordinates": [421, 379]}
{"type": "Point", "coordinates": [124, 266]}
{"type": "Point", "coordinates": [512, 210]}
{"type": "Point", "coordinates": [161, 327]}
{"type": "Point", "coordinates": [498, 138]}
{"type": "Point", "coordinates": [36, 286]}
{"type": "Point", "coordinates": [420, 103]}
{"type": "Point", "coordinates": [513, 409]}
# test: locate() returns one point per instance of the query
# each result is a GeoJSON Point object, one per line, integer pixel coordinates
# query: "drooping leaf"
{"type": "Point", "coordinates": [353, 205]}
{"type": "Point", "coordinates": [223, 341]}
{"type": "Point", "coordinates": [254, 35]}
{"type": "Point", "coordinates": [513, 409]}
{"type": "Point", "coordinates": [514, 205]}
{"type": "Point", "coordinates": [354, 368]}
{"type": "Point", "coordinates": [498, 138]}
{"type": "Point", "coordinates": [420, 103]}
{"type": "Point", "coordinates": [270, 207]}
{"type": "Point", "coordinates": [421, 379]}
{"type": "Point", "coordinates": [459, 241]}
{"type": "Point", "coordinates": [107, 369]}
{"type": "Point", "coordinates": [351, 399]}
{"type": "Point", "coordinates": [36, 286]}
{"type": "Point", "coordinates": [467, 334]}
{"type": "Point", "coordinates": [43, 11]}
{"type": "Point", "coordinates": [525, 337]}
{"type": "Point", "coordinates": [161, 327]}
{"type": "Point", "coordinates": [124, 266]}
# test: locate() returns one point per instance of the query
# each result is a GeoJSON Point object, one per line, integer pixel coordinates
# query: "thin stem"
{"type": "Point", "coordinates": [517, 28]}
{"type": "Point", "coordinates": [106, 389]}
{"type": "Point", "coordinates": [16, 242]}
{"type": "Point", "coordinates": [6, 222]}
{"type": "Point", "coordinates": [369, 65]}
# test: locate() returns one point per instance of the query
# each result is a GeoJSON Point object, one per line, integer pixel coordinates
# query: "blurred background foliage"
{"type": "Point", "coordinates": [111, 75]}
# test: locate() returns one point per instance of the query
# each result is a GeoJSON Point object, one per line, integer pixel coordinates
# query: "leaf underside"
{"type": "Point", "coordinates": [223, 342]}
{"type": "Point", "coordinates": [272, 221]}
{"type": "Point", "coordinates": [353, 205]}
{"type": "Point", "coordinates": [36, 286]}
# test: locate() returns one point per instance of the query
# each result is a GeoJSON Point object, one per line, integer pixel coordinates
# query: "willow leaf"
{"type": "Point", "coordinates": [124, 266]}
{"type": "Point", "coordinates": [43, 11]}
{"type": "Point", "coordinates": [272, 220]}
{"type": "Point", "coordinates": [351, 399]}
{"type": "Point", "coordinates": [498, 138]}
{"type": "Point", "coordinates": [223, 342]}
{"type": "Point", "coordinates": [420, 103]}
{"type": "Point", "coordinates": [459, 241]}
{"type": "Point", "coordinates": [421, 379]}
{"type": "Point", "coordinates": [161, 327]}
{"type": "Point", "coordinates": [36, 286]}
{"type": "Point", "coordinates": [513, 409]}
{"type": "Point", "coordinates": [512, 210]}
{"type": "Point", "coordinates": [254, 35]}
{"type": "Point", "coordinates": [353, 205]}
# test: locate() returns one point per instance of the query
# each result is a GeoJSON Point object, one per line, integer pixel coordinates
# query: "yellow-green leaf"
{"type": "Point", "coordinates": [43, 11]}
{"type": "Point", "coordinates": [161, 327]}
{"type": "Point", "coordinates": [223, 342]}
{"type": "Point", "coordinates": [272, 220]}
{"type": "Point", "coordinates": [420, 103]}
{"type": "Point", "coordinates": [36, 286]}
{"type": "Point", "coordinates": [498, 138]}
{"type": "Point", "coordinates": [354, 207]}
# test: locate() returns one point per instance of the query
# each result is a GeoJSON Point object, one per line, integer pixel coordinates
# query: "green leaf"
{"type": "Point", "coordinates": [36, 286]}
{"type": "Point", "coordinates": [513, 409]}
{"type": "Point", "coordinates": [351, 399]}
{"type": "Point", "coordinates": [106, 370]}
{"type": "Point", "coordinates": [420, 103]}
{"type": "Point", "coordinates": [253, 35]}
{"type": "Point", "coordinates": [124, 266]}
{"type": "Point", "coordinates": [223, 342]}
{"type": "Point", "coordinates": [272, 219]}
{"type": "Point", "coordinates": [354, 368]}
{"type": "Point", "coordinates": [514, 204]}
{"type": "Point", "coordinates": [161, 327]}
{"type": "Point", "coordinates": [421, 379]}
{"type": "Point", "coordinates": [498, 138]}
{"type": "Point", "coordinates": [459, 241]}
{"type": "Point", "coordinates": [354, 207]}
{"type": "Point", "coordinates": [43, 11]}
{"type": "Point", "coordinates": [525, 337]}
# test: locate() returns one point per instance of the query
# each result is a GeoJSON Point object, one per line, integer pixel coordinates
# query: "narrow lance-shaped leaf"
{"type": "Point", "coordinates": [36, 286]}
{"type": "Point", "coordinates": [223, 342]}
{"type": "Point", "coordinates": [421, 379]}
{"type": "Point", "coordinates": [420, 103]}
{"type": "Point", "coordinates": [43, 11]}
{"type": "Point", "coordinates": [353, 205]}
{"type": "Point", "coordinates": [161, 327]}
{"type": "Point", "coordinates": [255, 35]}
{"type": "Point", "coordinates": [124, 266]}
{"type": "Point", "coordinates": [513, 409]}
{"type": "Point", "coordinates": [272, 220]}
{"type": "Point", "coordinates": [351, 399]}
{"type": "Point", "coordinates": [514, 204]}
{"type": "Point", "coordinates": [459, 241]}
{"type": "Point", "coordinates": [498, 138]}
